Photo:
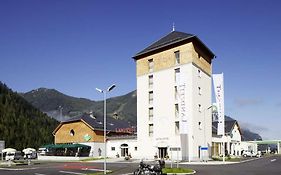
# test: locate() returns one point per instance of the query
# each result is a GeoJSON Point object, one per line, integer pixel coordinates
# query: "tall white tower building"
{"type": "Point", "coordinates": [174, 98]}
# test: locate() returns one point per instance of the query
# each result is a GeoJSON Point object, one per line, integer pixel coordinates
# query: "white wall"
{"type": "Point", "coordinates": [203, 136]}
{"type": "Point", "coordinates": [164, 111]}
{"type": "Point", "coordinates": [116, 144]}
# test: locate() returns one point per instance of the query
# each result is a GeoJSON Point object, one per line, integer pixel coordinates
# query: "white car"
{"type": "Point", "coordinates": [247, 153]}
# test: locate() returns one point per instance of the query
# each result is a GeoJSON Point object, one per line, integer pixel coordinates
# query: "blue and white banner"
{"type": "Point", "coordinates": [182, 104]}
{"type": "Point", "coordinates": [219, 93]}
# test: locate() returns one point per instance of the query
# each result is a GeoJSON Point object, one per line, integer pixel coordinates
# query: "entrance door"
{"type": "Point", "coordinates": [162, 152]}
{"type": "Point", "coordinates": [124, 150]}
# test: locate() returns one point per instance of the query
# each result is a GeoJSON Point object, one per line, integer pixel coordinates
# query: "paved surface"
{"type": "Point", "coordinates": [262, 166]}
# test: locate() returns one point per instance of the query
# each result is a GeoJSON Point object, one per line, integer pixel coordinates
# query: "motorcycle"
{"type": "Point", "coordinates": [147, 169]}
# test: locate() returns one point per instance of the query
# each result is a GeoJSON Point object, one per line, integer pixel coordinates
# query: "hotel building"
{"type": "Point", "coordinates": [174, 98]}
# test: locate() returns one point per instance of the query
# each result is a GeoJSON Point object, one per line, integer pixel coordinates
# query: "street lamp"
{"type": "Point", "coordinates": [104, 120]}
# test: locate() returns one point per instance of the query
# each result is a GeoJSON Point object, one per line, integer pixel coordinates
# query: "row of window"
{"type": "Point", "coordinates": [177, 81]}
{"type": "Point", "coordinates": [113, 148]}
{"type": "Point", "coordinates": [177, 128]}
{"type": "Point", "coordinates": [151, 62]}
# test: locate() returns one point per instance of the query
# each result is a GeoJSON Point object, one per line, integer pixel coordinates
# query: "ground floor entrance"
{"type": "Point", "coordinates": [124, 150]}
{"type": "Point", "coordinates": [162, 152]}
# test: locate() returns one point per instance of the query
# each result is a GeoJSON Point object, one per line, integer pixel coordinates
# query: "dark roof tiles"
{"type": "Point", "coordinates": [96, 122]}
{"type": "Point", "coordinates": [169, 40]}
{"type": "Point", "coordinates": [228, 125]}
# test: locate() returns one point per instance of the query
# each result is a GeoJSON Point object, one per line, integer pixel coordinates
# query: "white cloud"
{"type": "Point", "coordinates": [241, 102]}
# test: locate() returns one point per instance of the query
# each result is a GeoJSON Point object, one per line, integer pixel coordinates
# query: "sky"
{"type": "Point", "coordinates": [75, 46]}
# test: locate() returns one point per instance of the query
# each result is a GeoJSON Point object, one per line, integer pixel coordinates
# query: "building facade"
{"type": "Point", "coordinates": [231, 141]}
{"type": "Point", "coordinates": [174, 98]}
{"type": "Point", "coordinates": [88, 130]}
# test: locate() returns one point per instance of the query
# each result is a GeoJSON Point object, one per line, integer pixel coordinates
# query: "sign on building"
{"type": "Point", "coordinates": [219, 93]}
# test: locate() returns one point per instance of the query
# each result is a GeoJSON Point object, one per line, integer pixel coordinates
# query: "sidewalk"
{"type": "Point", "coordinates": [168, 162]}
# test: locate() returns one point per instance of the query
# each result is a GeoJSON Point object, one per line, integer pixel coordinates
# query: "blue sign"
{"type": "Point", "coordinates": [204, 148]}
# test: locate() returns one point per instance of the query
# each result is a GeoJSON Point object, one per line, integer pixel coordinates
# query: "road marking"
{"type": "Point", "coordinates": [93, 169]}
{"type": "Point", "coordinates": [17, 169]}
{"type": "Point", "coordinates": [38, 174]}
{"type": "Point", "coordinates": [69, 172]}
{"type": "Point", "coordinates": [272, 160]}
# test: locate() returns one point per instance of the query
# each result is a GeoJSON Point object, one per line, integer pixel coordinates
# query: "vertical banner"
{"type": "Point", "coordinates": [219, 93]}
{"type": "Point", "coordinates": [182, 104]}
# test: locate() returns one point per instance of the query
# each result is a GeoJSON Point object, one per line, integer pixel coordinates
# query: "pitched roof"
{"type": "Point", "coordinates": [96, 122]}
{"type": "Point", "coordinates": [228, 126]}
{"type": "Point", "coordinates": [169, 40]}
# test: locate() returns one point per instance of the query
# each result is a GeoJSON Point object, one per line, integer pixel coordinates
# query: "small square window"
{"type": "Point", "coordinates": [199, 73]}
{"type": "Point", "coordinates": [176, 110]}
{"type": "Point", "coordinates": [150, 65]}
{"type": "Point", "coordinates": [177, 57]}
{"type": "Point", "coordinates": [200, 125]}
{"type": "Point", "coordinates": [177, 75]}
{"type": "Point", "coordinates": [177, 127]}
{"type": "Point", "coordinates": [150, 111]}
{"type": "Point", "coordinates": [150, 130]}
{"type": "Point", "coordinates": [150, 97]}
{"type": "Point", "coordinates": [150, 81]}
{"type": "Point", "coordinates": [199, 91]}
{"type": "Point", "coordinates": [112, 148]}
{"type": "Point", "coordinates": [199, 107]}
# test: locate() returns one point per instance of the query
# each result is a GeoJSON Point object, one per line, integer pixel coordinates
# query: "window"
{"type": "Point", "coordinates": [177, 75]}
{"type": "Point", "coordinates": [177, 127]}
{"type": "Point", "coordinates": [199, 107]}
{"type": "Point", "coordinates": [150, 98]}
{"type": "Point", "coordinates": [176, 110]}
{"type": "Point", "coordinates": [200, 125]}
{"type": "Point", "coordinates": [112, 148]}
{"type": "Point", "coordinates": [150, 114]}
{"type": "Point", "coordinates": [199, 73]}
{"type": "Point", "coordinates": [150, 129]}
{"type": "Point", "coordinates": [72, 133]}
{"type": "Point", "coordinates": [177, 57]}
{"type": "Point", "coordinates": [136, 148]}
{"type": "Point", "coordinates": [150, 81]}
{"type": "Point", "coordinates": [150, 65]}
{"type": "Point", "coordinates": [176, 93]}
{"type": "Point", "coordinates": [199, 91]}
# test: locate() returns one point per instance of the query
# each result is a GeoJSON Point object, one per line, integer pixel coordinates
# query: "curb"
{"type": "Point", "coordinates": [181, 173]}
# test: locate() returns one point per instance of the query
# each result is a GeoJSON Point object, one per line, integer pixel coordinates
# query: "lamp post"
{"type": "Point", "coordinates": [104, 120]}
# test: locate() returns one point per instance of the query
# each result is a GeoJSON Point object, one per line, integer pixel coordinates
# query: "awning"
{"type": "Point", "coordinates": [8, 150]}
{"type": "Point", "coordinates": [28, 150]}
{"type": "Point", "coordinates": [57, 146]}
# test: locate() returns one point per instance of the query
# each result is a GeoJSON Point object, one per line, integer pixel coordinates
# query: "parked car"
{"type": "Point", "coordinates": [42, 151]}
{"type": "Point", "coordinates": [247, 153]}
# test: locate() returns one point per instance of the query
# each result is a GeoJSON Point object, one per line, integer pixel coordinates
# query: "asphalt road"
{"type": "Point", "coordinates": [263, 166]}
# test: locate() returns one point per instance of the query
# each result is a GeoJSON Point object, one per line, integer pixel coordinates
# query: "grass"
{"type": "Point", "coordinates": [100, 173]}
{"type": "Point", "coordinates": [227, 158]}
{"type": "Point", "coordinates": [177, 170]}
{"type": "Point", "coordinates": [91, 158]}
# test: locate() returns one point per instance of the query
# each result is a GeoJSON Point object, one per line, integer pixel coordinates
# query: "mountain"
{"type": "Point", "coordinates": [22, 125]}
{"type": "Point", "coordinates": [247, 135]}
{"type": "Point", "coordinates": [121, 107]}
{"type": "Point", "coordinates": [61, 107]}
{"type": "Point", "coordinates": [52, 102]}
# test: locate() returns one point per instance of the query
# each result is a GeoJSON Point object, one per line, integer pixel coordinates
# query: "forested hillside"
{"type": "Point", "coordinates": [21, 124]}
